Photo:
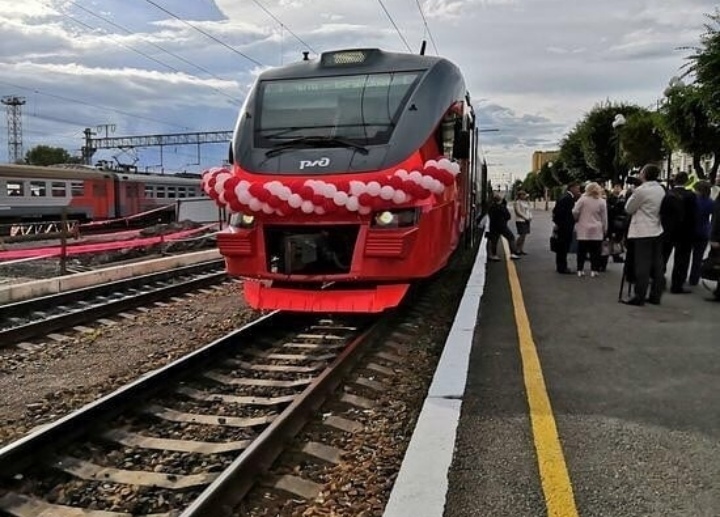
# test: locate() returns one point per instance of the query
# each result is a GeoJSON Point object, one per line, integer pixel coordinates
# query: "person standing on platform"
{"type": "Point", "coordinates": [564, 225]}
{"type": "Point", "coordinates": [617, 220]}
{"type": "Point", "coordinates": [499, 218]}
{"type": "Point", "coordinates": [523, 216]}
{"type": "Point", "coordinates": [591, 225]}
{"type": "Point", "coordinates": [682, 233]}
{"type": "Point", "coordinates": [645, 236]}
{"type": "Point", "coordinates": [715, 244]}
{"type": "Point", "coordinates": [702, 232]}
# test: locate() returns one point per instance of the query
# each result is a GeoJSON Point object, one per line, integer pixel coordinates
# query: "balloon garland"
{"type": "Point", "coordinates": [320, 197]}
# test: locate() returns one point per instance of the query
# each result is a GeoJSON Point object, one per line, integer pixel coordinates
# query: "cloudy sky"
{"type": "Point", "coordinates": [533, 67]}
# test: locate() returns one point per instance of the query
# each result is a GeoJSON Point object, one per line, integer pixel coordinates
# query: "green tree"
{"type": "Point", "coordinates": [600, 141]}
{"type": "Point", "coordinates": [705, 65]}
{"type": "Point", "coordinates": [573, 158]}
{"type": "Point", "coordinates": [46, 155]}
{"type": "Point", "coordinates": [687, 122]}
{"type": "Point", "coordinates": [531, 184]}
{"type": "Point", "coordinates": [643, 139]}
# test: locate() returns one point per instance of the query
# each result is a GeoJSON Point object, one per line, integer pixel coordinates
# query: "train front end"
{"type": "Point", "coordinates": [343, 187]}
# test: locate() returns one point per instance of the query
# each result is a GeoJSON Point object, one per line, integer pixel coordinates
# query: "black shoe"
{"type": "Point", "coordinates": [522, 253]}
{"type": "Point", "coordinates": [634, 301]}
{"type": "Point", "coordinates": [565, 272]}
{"type": "Point", "coordinates": [654, 301]}
{"type": "Point", "coordinates": [713, 299]}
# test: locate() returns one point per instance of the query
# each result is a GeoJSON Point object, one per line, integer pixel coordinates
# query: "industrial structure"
{"type": "Point", "coordinates": [14, 127]}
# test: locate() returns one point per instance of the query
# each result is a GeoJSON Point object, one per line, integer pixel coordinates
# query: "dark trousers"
{"type": "Point", "coordinates": [494, 237]}
{"type": "Point", "coordinates": [592, 248]}
{"type": "Point", "coordinates": [681, 262]}
{"type": "Point", "coordinates": [698, 252]}
{"type": "Point", "coordinates": [561, 253]}
{"type": "Point", "coordinates": [647, 255]}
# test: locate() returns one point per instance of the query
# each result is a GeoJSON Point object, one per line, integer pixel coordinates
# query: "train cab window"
{"type": "Point", "coordinates": [160, 192]}
{"type": "Point", "coordinates": [58, 189]}
{"type": "Point", "coordinates": [15, 189]}
{"type": "Point", "coordinates": [77, 188]}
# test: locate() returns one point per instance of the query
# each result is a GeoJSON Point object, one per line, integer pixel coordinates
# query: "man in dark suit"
{"type": "Point", "coordinates": [564, 224]}
{"type": "Point", "coordinates": [680, 237]}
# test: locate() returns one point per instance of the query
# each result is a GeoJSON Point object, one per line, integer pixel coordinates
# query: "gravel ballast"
{"type": "Point", "coordinates": [39, 386]}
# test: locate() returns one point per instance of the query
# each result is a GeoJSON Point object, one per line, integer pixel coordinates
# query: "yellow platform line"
{"type": "Point", "coordinates": [554, 476]}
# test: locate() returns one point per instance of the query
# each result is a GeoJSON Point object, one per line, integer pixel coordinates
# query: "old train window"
{"type": "Point", "coordinates": [38, 189]}
{"type": "Point", "coordinates": [77, 188]}
{"type": "Point", "coordinates": [15, 189]}
{"type": "Point", "coordinates": [58, 189]}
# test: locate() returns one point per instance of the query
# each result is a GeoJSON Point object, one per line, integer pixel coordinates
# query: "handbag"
{"type": "Point", "coordinates": [710, 267]}
{"type": "Point", "coordinates": [616, 248]}
{"type": "Point", "coordinates": [605, 248]}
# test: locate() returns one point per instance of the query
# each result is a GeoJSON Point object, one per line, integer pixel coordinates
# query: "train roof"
{"type": "Point", "coordinates": [353, 61]}
{"type": "Point", "coordinates": [88, 173]}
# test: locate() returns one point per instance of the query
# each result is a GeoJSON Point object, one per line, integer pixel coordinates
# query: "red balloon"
{"type": "Point", "coordinates": [396, 182]}
{"type": "Point", "coordinates": [423, 193]}
{"type": "Point", "coordinates": [275, 202]}
{"type": "Point", "coordinates": [231, 183]}
{"type": "Point", "coordinates": [230, 195]}
{"type": "Point", "coordinates": [264, 196]}
{"type": "Point", "coordinates": [343, 185]}
{"type": "Point", "coordinates": [306, 193]}
{"type": "Point", "coordinates": [365, 199]}
{"type": "Point", "coordinates": [295, 186]}
{"type": "Point", "coordinates": [378, 203]}
{"type": "Point", "coordinates": [329, 206]}
{"type": "Point", "coordinates": [235, 205]}
{"type": "Point", "coordinates": [318, 200]}
{"type": "Point", "coordinates": [255, 189]}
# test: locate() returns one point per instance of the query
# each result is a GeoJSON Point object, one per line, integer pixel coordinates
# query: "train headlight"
{"type": "Point", "coordinates": [396, 218]}
{"type": "Point", "coordinates": [242, 220]}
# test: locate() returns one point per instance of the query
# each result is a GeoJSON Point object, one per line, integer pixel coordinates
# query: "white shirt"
{"type": "Point", "coordinates": [644, 207]}
{"type": "Point", "coordinates": [522, 210]}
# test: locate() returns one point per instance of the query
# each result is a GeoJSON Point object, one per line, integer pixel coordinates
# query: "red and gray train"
{"type": "Point", "coordinates": [34, 193]}
{"type": "Point", "coordinates": [353, 176]}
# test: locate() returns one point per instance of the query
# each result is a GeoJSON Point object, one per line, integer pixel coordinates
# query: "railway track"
{"type": "Point", "coordinates": [40, 316]}
{"type": "Point", "coordinates": [190, 438]}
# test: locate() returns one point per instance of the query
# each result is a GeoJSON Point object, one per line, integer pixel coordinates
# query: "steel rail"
{"type": "Point", "coordinates": [26, 451]}
{"type": "Point", "coordinates": [32, 329]}
{"type": "Point", "coordinates": [220, 497]}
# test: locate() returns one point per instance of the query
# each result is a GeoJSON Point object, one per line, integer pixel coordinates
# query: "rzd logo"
{"type": "Point", "coordinates": [322, 162]}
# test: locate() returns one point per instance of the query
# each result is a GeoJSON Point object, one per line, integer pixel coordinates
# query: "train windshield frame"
{"type": "Point", "coordinates": [361, 108]}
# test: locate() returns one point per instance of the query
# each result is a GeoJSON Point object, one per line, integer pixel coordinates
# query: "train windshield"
{"type": "Point", "coordinates": [358, 109]}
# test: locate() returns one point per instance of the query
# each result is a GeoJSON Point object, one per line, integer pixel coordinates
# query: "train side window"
{"type": "Point", "coordinates": [77, 188]}
{"type": "Point", "coordinates": [171, 192]}
{"type": "Point", "coordinates": [38, 189]}
{"type": "Point", "coordinates": [58, 189]}
{"type": "Point", "coordinates": [15, 189]}
{"type": "Point", "coordinates": [149, 191]}
{"type": "Point", "coordinates": [160, 192]}
{"type": "Point", "coordinates": [181, 192]}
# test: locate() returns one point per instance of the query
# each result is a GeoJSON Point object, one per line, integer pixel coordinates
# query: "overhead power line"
{"type": "Point", "coordinates": [271, 15]}
{"type": "Point", "coordinates": [393, 23]}
{"type": "Point", "coordinates": [207, 34]}
{"type": "Point", "coordinates": [140, 52]}
{"type": "Point", "coordinates": [155, 45]}
{"type": "Point", "coordinates": [427, 28]}
{"type": "Point", "coordinates": [104, 108]}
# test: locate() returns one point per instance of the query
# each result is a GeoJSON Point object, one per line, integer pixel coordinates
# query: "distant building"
{"type": "Point", "coordinates": [540, 158]}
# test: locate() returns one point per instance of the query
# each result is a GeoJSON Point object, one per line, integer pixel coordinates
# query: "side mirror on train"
{"type": "Point", "coordinates": [461, 145]}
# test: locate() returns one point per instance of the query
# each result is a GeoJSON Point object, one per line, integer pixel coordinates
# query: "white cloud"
{"type": "Point", "coordinates": [539, 63]}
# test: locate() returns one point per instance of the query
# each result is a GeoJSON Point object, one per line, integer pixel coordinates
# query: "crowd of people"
{"type": "Point", "coordinates": [641, 224]}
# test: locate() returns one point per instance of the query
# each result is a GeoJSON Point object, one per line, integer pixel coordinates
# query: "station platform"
{"type": "Point", "coordinates": [551, 398]}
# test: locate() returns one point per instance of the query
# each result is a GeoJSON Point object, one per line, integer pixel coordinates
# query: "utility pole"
{"type": "Point", "coordinates": [88, 150]}
{"type": "Point", "coordinates": [14, 127]}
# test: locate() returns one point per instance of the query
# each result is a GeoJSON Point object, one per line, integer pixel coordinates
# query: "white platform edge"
{"type": "Point", "coordinates": [422, 483]}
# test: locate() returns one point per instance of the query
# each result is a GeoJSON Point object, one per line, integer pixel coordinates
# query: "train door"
{"type": "Point", "coordinates": [118, 201]}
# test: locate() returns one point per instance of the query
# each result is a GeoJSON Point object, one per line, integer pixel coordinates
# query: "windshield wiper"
{"type": "Point", "coordinates": [315, 142]}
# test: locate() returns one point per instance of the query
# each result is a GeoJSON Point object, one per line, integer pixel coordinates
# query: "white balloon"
{"type": "Point", "coordinates": [243, 184]}
{"type": "Point", "coordinates": [455, 169]}
{"type": "Point", "coordinates": [415, 176]}
{"type": "Point", "coordinates": [319, 210]}
{"type": "Point", "coordinates": [431, 163]}
{"type": "Point", "coordinates": [340, 198]}
{"type": "Point", "coordinates": [221, 198]}
{"type": "Point", "coordinates": [353, 204]}
{"type": "Point", "coordinates": [399, 197]}
{"type": "Point", "coordinates": [244, 197]}
{"type": "Point", "coordinates": [364, 210]}
{"type": "Point", "coordinates": [307, 207]}
{"type": "Point", "coordinates": [267, 209]}
{"type": "Point", "coordinates": [255, 204]}
{"type": "Point", "coordinates": [330, 190]}
{"type": "Point", "coordinates": [373, 188]}
{"type": "Point", "coordinates": [387, 193]}
{"type": "Point", "coordinates": [295, 201]}
{"type": "Point", "coordinates": [427, 182]}
{"type": "Point", "coordinates": [445, 164]}
{"type": "Point", "coordinates": [357, 187]}
{"type": "Point", "coordinates": [401, 173]}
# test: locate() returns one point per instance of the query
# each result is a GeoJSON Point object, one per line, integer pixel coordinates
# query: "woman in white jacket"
{"type": "Point", "coordinates": [523, 216]}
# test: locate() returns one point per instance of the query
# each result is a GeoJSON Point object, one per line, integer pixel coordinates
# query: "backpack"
{"type": "Point", "coordinates": [672, 212]}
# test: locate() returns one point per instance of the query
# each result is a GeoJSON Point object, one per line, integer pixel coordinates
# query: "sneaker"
{"type": "Point", "coordinates": [495, 258]}
{"type": "Point", "coordinates": [514, 256]}
{"type": "Point", "coordinates": [593, 274]}
{"type": "Point", "coordinates": [581, 273]}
